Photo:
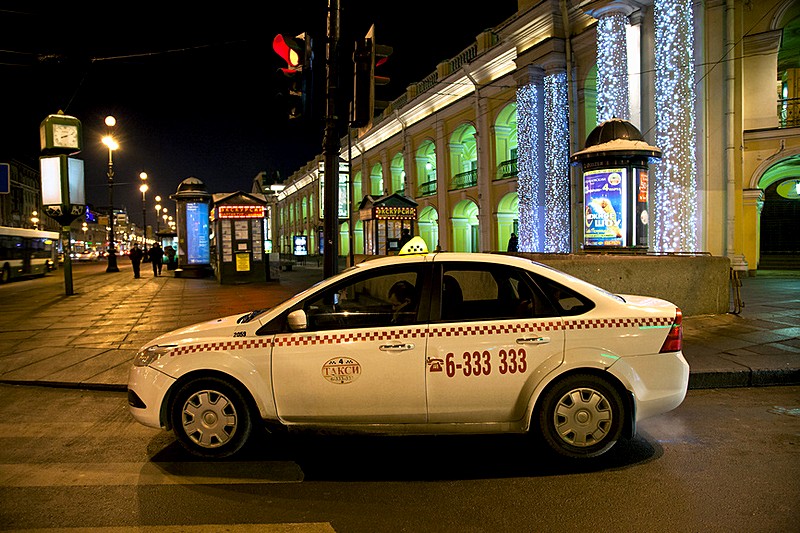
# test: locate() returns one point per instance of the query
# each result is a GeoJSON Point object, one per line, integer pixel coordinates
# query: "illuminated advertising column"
{"type": "Point", "coordinates": [191, 208]}
{"type": "Point", "coordinates": [615, 187]}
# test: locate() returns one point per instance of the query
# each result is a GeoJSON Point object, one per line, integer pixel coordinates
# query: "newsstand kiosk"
{"type": "Point", "coordinates": [238, 236]}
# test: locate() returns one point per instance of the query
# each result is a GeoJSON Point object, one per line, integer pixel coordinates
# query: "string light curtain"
{"type": "Point", "coordinates": [530, 142]}
{"type": "Point", "coordinates": [675, 184]}
{"type": "Point", "coordinates": [612, 67]}
{"type": "Point", "coordinates": [556, 164]}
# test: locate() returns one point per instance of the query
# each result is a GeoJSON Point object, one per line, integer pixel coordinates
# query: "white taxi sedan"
{"type": "Point", "coordinates": [414, 344]}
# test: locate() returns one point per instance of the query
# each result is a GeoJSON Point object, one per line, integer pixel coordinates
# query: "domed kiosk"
{"type": "Point", "coordinates": [615, 186]}
{"type": "Point", "coordinates": [194, 251]}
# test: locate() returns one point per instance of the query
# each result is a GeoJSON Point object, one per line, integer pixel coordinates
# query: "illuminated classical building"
{"type": "Point", "coordinates": [482, 144]}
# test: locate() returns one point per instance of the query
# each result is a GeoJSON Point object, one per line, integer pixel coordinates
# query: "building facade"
{"type": "Point", "coordinates": [483, 144]}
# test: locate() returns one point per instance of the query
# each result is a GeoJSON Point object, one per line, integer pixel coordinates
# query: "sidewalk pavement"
{"type": "Point", "coordinates": [88, 339]}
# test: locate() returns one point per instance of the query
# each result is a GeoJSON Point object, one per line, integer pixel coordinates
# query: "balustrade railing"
{"type": "Point", "coordinates": [789, 112]}
{"type": "Point", "coordinates": [507, 169]}
{"type": "Point", "coordinates": [428, 188]}
{"type": "Point", "coordinates": [463, 180]}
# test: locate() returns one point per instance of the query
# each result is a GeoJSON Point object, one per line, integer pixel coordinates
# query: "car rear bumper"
{"type": "Point", "coordinates": [659, 382]}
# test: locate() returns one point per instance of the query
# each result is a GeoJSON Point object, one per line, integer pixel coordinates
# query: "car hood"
{"type": "Point", "coordinates": [219, 327]}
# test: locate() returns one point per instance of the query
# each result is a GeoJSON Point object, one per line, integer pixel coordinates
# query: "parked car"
{"type": "Point", "coordinates": [425, 343]}
{"type": "Point", "coordinates": [88, 255]}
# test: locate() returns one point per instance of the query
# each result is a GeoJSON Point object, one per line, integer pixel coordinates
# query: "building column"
{"type": "Point", "coordinates": [752, 203]}
{"type": "Point", "coordinates": [530, 158]}
{"type": "Point", "coordinates": [442, 186]}
{"type": "Point", "coordinates": [483, 134]}
{"type": "Point", "coordinates": [675, 198]}
{"type": "Point", "coordinates": [612, 59]}
{"type": "Point", "coordinates": [557, 235]}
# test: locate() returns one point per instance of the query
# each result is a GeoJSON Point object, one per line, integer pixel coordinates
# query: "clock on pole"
{"type": "Point", "coordinates": [61, 134]}
{"type": "Point", "coordinates": [63, 195]}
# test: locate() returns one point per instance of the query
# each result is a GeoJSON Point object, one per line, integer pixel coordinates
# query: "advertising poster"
{"type": "Point", "coordinates": [198, 251]}
{"type": "Point", "coordinates": [300, 245]}
{"type": "Point", "coordinates": [604, 194]}
{"type": "Point", "coordinates": [642, 216]}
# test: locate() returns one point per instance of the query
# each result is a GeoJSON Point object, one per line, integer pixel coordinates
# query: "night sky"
{"type": "Point", "coordinates": [193, 90]}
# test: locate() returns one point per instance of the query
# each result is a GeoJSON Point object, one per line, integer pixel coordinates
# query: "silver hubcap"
{"type": "Point", "coordinates": [209, 419]}
{"type": "Point", "coordinates": [583, 417]}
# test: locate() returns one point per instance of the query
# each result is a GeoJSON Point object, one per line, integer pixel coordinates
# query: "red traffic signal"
{"type": "Point", "coordinates": [291, 49]}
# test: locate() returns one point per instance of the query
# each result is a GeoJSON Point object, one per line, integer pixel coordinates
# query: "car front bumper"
{"type": "Point", "coordinates": [150, 387]}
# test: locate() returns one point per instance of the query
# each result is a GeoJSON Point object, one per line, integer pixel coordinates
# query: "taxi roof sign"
{"type": "Point", "coordinates": [416, 245]}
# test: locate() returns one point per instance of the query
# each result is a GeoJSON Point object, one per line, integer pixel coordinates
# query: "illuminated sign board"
{"type": "Point", "coordinates": [605, 193]}
{"type": "Point", "coordinates": [240, 211]}
{"type": "Point", "coordinates": [383, 212]}
{"type": "Point", "coordinates": [62, 180]}
{"type": "Point", "coordinates": [197, 242]}
{"type": "Point", "coordinates": [300, 245]}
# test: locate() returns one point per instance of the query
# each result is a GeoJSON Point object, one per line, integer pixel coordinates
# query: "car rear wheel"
{"type": "Point", "coordinates": [211, 417]}
{"type": "Point", "coordinates": [581, 416]}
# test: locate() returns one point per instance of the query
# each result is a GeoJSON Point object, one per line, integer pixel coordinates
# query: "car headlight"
{"type": "Point", "coordinates": [151, 354]}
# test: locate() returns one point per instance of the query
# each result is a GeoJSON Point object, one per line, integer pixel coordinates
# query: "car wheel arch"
{"type": "Point", "coordinates": [169, 398]}
{"type": "Point", "coordinates": [555, 378]}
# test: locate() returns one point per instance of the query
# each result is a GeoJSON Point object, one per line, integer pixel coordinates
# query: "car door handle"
{"type": "Point", "coordinates": [396, 347]}
{"type": "Point", "coordinates": [533, 340]}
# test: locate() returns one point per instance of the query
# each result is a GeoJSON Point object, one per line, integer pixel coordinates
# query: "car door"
{"type": "Point", "coordinates": [361, 360]}
{"type": "Point", "coordinates": [493, 334]}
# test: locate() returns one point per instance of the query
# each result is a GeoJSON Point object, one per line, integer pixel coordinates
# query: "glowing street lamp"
{"type": "Point", "coordinates": [158, 212]}
{"type": "Point", "coordinates": [143, 187]}
{"type": "Point", "coordinates": [112, 145]}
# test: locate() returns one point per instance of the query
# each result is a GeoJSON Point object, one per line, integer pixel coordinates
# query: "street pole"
{"type": "Point", "coordinates": [143, 187]}
{"type": "Point", "coordinates": [112, 145]}
{"type": "Point", "coordinates": [112, 255]}
{"type": "Point", "coordinates": [331, 146]}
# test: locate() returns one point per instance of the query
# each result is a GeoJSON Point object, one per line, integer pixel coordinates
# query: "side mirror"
{"type": "Point", "coordinates": [297, 320]}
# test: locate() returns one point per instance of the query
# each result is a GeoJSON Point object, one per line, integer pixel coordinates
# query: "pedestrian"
{"type": "Point", "coordinates": [136, 256]}
{"type": "Point", "coordinates": [156, 257]}
{"type": "Point", "coordinates": [512, 242]}
{"type": "Point", "coordinates": [171, 260]}
{"type": "Point", "coordinates": [404, 238]}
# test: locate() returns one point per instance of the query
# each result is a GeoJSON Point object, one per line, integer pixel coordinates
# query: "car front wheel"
{"type": "Point", "coordinates": [211, 418]}
{"type": "Point", "coordinates": [581, 416]}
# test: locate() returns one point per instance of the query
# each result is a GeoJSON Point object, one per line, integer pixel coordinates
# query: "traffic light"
{"type": "Point", "coordinates": [296, 78]}
{"type": "Point", "coordinates": [367, 56]}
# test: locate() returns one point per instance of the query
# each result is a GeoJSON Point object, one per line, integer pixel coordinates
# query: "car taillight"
{"type": "Point", "coordinates": [674, 340]}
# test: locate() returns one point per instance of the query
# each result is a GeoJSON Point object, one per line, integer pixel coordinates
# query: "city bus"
{"type": "Point", "coordinates": [27, 252]}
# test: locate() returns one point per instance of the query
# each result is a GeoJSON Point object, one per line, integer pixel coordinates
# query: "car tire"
{"type": "Point", "coordinates": [211, 417]}
{"type": "Point", "coordinates": [581, 416]}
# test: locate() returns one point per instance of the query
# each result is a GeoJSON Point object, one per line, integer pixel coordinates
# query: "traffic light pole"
{"type": "Point", "coordinates": [331, 147]}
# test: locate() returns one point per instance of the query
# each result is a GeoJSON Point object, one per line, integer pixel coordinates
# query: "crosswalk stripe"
{"type": "Point", "coordinates": [136, 474]}
{"type": "Point", "coordinates": [311, 527]}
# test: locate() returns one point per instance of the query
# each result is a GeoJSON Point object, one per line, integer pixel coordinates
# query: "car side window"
{"type": "Point", "coordinates": [566, 301]}
{"type": "Point", "coordinates": [490, 292]}
{"type": "Point", "coordinates": [381, 298]}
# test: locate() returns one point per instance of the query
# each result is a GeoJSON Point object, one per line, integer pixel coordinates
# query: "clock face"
{"type": "Point", "coordinates": [65, 136]}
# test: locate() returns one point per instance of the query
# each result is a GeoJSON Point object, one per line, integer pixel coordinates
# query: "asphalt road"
{"type": "Point", "coordinates": [725, 460]}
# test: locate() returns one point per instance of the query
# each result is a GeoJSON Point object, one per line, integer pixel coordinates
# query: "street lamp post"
{"type": "Point", "coordinates": [112, 145]}
{"type": "Point", "coordinates": [144, 188]}
{"type": "Point", "coordinates": [158, 213]}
